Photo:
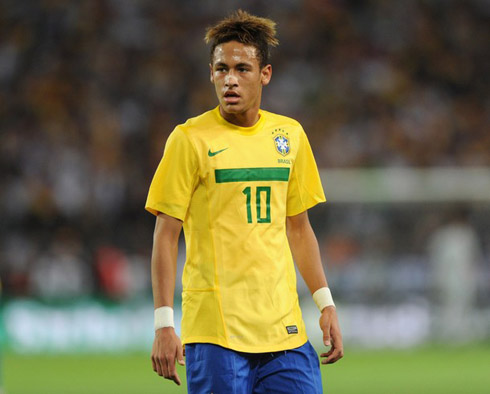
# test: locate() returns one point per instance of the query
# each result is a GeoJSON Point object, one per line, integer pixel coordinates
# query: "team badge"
{"type": "Point", "coordinates": [282, 144]}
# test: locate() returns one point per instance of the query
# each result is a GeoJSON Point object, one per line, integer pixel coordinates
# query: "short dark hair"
{"type": "Point", "coordinates": [247, 29]}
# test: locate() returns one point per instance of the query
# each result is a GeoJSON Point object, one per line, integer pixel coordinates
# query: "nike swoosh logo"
{"type": "Point", "coordinates": [211, 154]}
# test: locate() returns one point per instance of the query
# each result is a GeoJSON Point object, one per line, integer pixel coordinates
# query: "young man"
{"type": "Point", "coordinates": [240, 181]}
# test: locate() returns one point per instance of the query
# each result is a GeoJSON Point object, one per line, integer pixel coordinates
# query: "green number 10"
{"type": "Point", "coordinates": [258, 201]}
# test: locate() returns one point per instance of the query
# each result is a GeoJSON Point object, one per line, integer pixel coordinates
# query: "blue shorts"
{"type": "Point", "coordinates": [214, 369]}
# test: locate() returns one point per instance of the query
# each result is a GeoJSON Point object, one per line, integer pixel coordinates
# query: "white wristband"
{"type": "Point", "coordinates": [323, 298]}
{"type": "Point", "coordinates": [164, 317]}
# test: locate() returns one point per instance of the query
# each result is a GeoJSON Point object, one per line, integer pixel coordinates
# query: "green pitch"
{"type": "Point", "coordinates": [427, 370]}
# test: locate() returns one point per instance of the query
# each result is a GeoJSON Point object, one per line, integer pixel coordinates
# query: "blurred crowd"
{"type": "Point", "coordinates": [90, 90]}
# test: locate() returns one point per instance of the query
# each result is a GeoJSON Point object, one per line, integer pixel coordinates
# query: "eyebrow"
{"type": "Point", "coordinates": [221, 64]}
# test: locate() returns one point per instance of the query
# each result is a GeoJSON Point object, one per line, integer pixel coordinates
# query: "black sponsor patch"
{"type": "Point", "coordinates": [292, 329]}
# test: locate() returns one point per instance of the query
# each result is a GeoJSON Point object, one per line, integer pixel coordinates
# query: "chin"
{"type": "Point", "coordinates": [232, 109]}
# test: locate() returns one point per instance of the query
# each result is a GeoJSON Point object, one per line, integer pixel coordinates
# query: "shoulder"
{"type": "Point", "coordinates": [281, 119]}
{"type": "Point", "coordinates": [189, 135]}
{"type": "Point", "coordinates": [290, 128]}
{"type": "Point", "coordinates": [197, 123]}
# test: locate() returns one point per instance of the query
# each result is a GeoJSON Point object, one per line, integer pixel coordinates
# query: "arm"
{"type": "Point", "coordinates": [167, 347]}
{"type": "Point", "coordinates": [306, 254]}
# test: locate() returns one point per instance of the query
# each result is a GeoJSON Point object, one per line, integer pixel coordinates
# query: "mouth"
{"type": "Point", "coordinates": [231, 97]}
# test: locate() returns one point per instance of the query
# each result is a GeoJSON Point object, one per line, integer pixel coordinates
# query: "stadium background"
{"type": "Point", "coordinates": [394, 98]}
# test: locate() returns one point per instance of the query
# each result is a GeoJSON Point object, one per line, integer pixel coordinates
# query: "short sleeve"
{"type": "Point", "coordinates": [305, 187]}
{"type": "Point", "coordinates": [175, 178]}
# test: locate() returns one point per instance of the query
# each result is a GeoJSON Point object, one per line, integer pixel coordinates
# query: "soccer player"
{"type": "Point", "coordinates": [239, 180]}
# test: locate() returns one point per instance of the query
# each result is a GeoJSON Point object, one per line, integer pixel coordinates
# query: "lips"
{"type": "Point", "coordinates": [231, 97]}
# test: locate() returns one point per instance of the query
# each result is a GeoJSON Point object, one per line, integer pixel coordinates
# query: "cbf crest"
{"type": "Point", "coordinates": [281, 141]}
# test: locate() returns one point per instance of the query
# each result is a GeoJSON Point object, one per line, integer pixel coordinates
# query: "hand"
{"type": "Point", "coordinates": [167, 349]}
{"type": "Point", "coordinates": [329, 324]}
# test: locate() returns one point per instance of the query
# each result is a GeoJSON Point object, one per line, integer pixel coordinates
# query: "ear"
{"type": "Point", "coordinates": [265, 75]}
{"type": "Point", "coordinates": [211, 77]}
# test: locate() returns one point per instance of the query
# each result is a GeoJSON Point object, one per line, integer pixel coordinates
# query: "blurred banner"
{"type": "Point", "coordinates": [409, 185]}
{"type": "Point", "coordinates": [90, 325]}
{"type": "Point", "coordinates": [93, 326]}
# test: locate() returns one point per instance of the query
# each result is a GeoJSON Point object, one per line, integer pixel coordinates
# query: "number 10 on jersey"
{"type": "Point", "coordinates": [262, 203]}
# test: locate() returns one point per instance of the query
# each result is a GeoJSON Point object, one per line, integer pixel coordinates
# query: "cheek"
{"type": "Point", "coordinates": [253, 87]}
{"type": "Point", "coordinates": [217, 80]}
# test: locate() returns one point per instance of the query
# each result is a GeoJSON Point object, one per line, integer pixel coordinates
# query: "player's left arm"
{"type": "Point", "coordinates": [306, 254]}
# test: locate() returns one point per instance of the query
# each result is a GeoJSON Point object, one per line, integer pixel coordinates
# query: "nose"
{"type": "Point", "coordinates": [231, 80]}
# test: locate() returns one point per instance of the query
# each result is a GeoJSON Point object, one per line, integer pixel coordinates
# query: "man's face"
{"type": "Point", "coordinates": [238, 77]}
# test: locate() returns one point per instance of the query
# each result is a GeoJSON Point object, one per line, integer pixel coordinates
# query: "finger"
{"type": "Point", "coordinates": [171, 365]}
{"type": "Point", "coordinates": [172, 372]}
{"type": "Point", "coordinates": [331, 360]}
{"type": "Point", "coordinates": [180, 355]}
{"type": "Point", "coordinates": [326, 354]}
{"type": "Point", "coordinates": [153, 364]}
{"type": "Point", "coordinates": [176, 378]}
{"type": "Point", "coordinates": [157, 367]}
{"type": "Point", "coordinates": [165, 368]}
{"type": "Point", "coordinates": [336, 355]}
{"type": "Point", "coordinates": [337, 343]}
{"type": "Point", "coordinates": [326, 336]}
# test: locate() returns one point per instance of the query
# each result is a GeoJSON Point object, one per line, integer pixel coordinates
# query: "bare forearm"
{"type": "Point", "coordinates": [305, 250]}
{"type": "Point", "coordinates": [164, 260]}
{"type": "Point", "coordinates": [163, 272]}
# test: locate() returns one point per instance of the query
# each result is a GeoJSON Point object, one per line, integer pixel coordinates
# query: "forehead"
{"type": "Point", "coordinates": [234, 51]}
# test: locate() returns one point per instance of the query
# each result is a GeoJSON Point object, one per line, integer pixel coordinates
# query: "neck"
{"type": "Point", "coordinates": [244, 119]}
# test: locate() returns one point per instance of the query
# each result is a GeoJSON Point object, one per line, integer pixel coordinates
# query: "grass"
{"type": "Point", "coordinates": [427, 370]}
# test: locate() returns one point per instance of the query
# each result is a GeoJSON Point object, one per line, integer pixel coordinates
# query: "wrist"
{"type": "Point", "coordinates": [327, 307]}
{"type": "Point", "coordinates": [323, 298]}
{"type": "Point", "coordinates": [164, 317]}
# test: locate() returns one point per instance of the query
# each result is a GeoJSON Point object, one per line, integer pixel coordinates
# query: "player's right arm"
{"type": "Point", "coordinates": [167, 347]}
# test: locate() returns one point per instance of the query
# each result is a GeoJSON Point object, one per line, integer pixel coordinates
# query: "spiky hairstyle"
{"type": "Point", "coordinates": [247, 29]}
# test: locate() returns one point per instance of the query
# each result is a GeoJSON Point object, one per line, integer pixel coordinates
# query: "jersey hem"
{"type": "Point", "coordinates": [156, 209]}
{"type": "Point", "coordinates": [299, 341]}
{"type": "Point", "coordinates": [307, 206]}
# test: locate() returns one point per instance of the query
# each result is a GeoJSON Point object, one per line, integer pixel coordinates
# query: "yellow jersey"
{"type": "Point", "coordinates": [233, 187]}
